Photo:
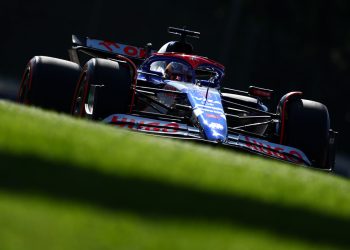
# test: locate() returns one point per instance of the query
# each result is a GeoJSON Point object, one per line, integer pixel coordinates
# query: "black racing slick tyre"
{"type": "Point", "coordinates": [307, 128]}
{"type": "Point", "coordinates": [49, 83]}
{"type": "Point", "coordinates": [104, 89]}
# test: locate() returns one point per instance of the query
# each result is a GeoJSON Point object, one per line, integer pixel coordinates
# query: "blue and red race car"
{"type": "Point", "coordinates": [173, 92]}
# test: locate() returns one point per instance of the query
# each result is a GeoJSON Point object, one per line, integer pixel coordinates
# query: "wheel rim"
{"type": "Point", "coordinates": [84, 102]}
{"type": "Point", "coordinates": [80, 98]}
{"type": "Point", "coordinates": [89, 105]}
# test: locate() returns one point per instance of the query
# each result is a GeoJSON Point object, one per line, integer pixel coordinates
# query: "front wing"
{"type": "Point", "coordinates": [179, 130]}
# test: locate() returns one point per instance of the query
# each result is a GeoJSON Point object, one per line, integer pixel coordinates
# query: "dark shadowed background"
{"type": "Point", "coordinates": [283, 45]}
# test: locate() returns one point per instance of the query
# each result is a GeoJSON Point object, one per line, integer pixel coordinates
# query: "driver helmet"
{"type": "Point", "coordinates": [178, 72]}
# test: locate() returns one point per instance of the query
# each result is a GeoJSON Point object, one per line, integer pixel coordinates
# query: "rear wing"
{"type": "Point", "coordinates": [84, 48]}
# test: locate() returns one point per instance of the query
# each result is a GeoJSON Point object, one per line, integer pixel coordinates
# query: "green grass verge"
{"type": "Point", "coordinates": [72, 184]}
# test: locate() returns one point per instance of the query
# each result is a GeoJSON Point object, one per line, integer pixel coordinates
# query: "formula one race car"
{"type": "Point", "coordinates": [174, 93]}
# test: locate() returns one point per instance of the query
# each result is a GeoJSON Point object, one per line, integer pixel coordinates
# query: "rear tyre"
{"type": "Point", "coordinates": [49, 83]}
{"type": "Point", "coordinates": [307, 128]}
{"type": "Point", "coordinates": [104, 89]}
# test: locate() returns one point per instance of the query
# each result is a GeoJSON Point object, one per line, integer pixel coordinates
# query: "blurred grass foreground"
{"type": "Point", "coordinates": [72, 184]}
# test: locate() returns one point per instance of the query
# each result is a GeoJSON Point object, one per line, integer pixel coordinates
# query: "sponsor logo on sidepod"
{"type": "Point", "coordinates": [145, 125]}
{"type": "Point", "coordinates": [274, 150]}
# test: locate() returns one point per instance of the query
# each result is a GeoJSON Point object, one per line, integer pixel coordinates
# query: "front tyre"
{"type": "Point", "coordinates": [104, 88]}
{"type": "Point", "coordinates": [307, 128]}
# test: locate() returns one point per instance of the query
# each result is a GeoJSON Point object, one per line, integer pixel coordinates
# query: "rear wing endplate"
{"type": "Point", "coordinates": [110, 47]}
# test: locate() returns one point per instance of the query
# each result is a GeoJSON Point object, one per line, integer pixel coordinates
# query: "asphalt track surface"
{"type": "Point", "coordinates": [9, 88]}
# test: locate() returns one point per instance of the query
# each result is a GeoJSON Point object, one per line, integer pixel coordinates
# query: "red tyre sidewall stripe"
{"type": "Point", "coordinates": [287, 98]}
{"type": "Point", "coordinates": [30, 67]}
{"type": "Point", "coordinates": [82, 75]}
{"type": "Point", "coordinates": [282, 139]}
